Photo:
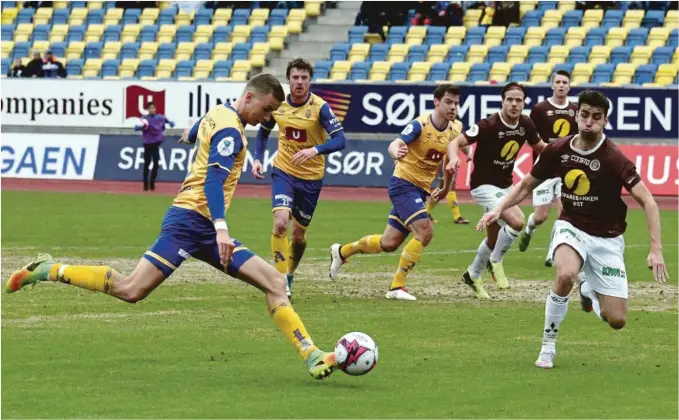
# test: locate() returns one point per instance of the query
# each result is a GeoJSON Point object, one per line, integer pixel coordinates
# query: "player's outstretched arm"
{"type": "Point", "coordinates": [439, 193]}
{"type": "Point", "coordinates": [515, 196]}
{"type": "Point", "coordinates": [190, 136]}
{"type": "Point", "coordinates": [453, 153]}
{"type": "Point", "coordinates": [656, 261]}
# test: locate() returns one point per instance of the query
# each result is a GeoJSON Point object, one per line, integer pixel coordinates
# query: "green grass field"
{"type": "Point", "coordinates": [203, 346]}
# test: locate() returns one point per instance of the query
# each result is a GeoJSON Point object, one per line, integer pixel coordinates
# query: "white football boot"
{"type": "Point", "coordinates": [546, 357]}
{"type": "Point", "coordinates": [336, 260]}
{"type": "Point", "coordinates": [400, 293]}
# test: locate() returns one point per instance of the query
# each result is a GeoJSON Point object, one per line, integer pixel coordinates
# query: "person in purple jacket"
{"type": "Point", "coordinates": [152, 134]}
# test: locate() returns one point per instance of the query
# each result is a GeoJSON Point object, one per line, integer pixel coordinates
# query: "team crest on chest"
{"type": "Point", "coordinates": [308, 113]}
{"type": "Point", "coordinates": [595, 165]}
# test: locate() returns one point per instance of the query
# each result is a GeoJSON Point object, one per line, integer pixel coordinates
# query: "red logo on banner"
{"type": "Point", "coordinates": [137, 99]}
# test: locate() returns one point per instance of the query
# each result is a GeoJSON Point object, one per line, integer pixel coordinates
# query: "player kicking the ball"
{"type": "Point", "coordinates": [498, 140]}
{"type": "Point", "coordinates": [195, 225]}
{"type": "Point", "coordinates": [418, 153]}
{"type": "Point", "coordinates": [588, 234]}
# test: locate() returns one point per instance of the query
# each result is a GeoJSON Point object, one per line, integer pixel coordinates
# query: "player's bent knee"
{"type": "Point", "coordinates": [425, 236]}
{"type": "Point", "coordinates": [389, 245]}
{"type": "Point", "coordinates": [566, 277]}
{"type": "Point", "coordinates": [280, 227]}
{"type": "Point", "coordinates": [133, 294]}
{"type": "Point", "coordinates": [616, 321]}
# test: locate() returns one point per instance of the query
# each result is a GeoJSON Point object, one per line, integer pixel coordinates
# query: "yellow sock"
{"type": "Point", "coordinates": [95, 278]}
{"type": "Point", "coordinates": [279, 248]}
{"type": "Point", "coordinates": [295, 255]}
{"type": "Point", "coordinates": [430, 206]}
{"type": "Point", "coordinates": [451, 198]}
{"type": "Point", "coordinates": [366, 245]}
{"type": "Point", "coordinates": [288, 322]}
{"type": "Point", "coordinates": [409, 257]}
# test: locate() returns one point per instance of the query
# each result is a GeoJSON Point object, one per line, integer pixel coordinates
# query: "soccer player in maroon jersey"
{"type": "Point", "coordinates": [498, 140]}
{"type": "Point", "coordinates": [554, 118]}
{"type": "Point", "coordinates": [588, 234]}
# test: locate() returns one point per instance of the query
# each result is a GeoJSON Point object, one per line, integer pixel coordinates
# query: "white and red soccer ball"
{"type": "Point", "coordinates": [356, 353]}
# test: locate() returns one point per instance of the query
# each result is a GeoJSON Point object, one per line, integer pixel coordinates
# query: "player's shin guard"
{"type": "Point", "coordinates": [409, 257]}
{"type": "Point", "coordinates": [296, 251]}
{"type": "Point", "coordinates": [370, 244]}
{"type": "Point", "coordinates": [451, 199]}
{"type": "Point", "coordinates": [555, 312]}
{"type": "Point", "coordinates": [288, 322]}
{"type": "Point", "coordinates": [530, 225]}
{"type": "Point", "coordinates": [480, 260]}
{"type": "Point", "coordinates": [95, 278]}
{"type": "Point", "coordinates": [505, 239]}
{"type": "Point", "coordinates": [279, 249]}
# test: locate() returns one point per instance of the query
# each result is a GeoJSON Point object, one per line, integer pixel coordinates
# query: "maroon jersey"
{"type": "Point", "coordinates": [554, 121]}
{"type": "Point", "coordinates": [591, 193]}
{"type": "Point", "coordinates": [497, 148]}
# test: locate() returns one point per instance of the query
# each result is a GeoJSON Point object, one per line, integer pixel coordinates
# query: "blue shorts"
{"type": "Point", "coordinates": [298, 195]}
{"type": "Point", "coordinates": [408, 204]}
{"type": "Point", "coordinates": [186, 233]}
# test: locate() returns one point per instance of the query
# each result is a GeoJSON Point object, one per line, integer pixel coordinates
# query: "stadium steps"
{"type": "Point", "coordinates": [320, 36]}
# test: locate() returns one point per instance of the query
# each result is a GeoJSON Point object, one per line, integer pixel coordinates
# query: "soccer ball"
{"type": "Point", "coordinates": [356, 353]}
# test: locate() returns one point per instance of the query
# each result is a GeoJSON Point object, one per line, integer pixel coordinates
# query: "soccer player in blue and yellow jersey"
{"type": "Point", "coordinates": [195, 225]}
{"type": "Point", "coordinates": [298, 169]}
{"type": "Point", "coordinates": [418, 152]}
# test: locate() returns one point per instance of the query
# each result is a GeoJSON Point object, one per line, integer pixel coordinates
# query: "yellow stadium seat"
{"type": "Point", "coordinates": [672, 19]}
{"type": "Point", "coordinates": [541, 72]}
{"type": "Point", "coordinates": [551, 19]}
{"type": "Point", "coordinates": [566, 5]}
{"type": "Point", "coordinates": [666, 73]}
{"type": "Point", "coordinates": [165, 68]}
{"type": "Point", "coordinates": [92, 67]}
{"type": "Point", "coordinates": [203, 33]}
{"type": "Point", "coordinates": [416, 35]}
{"type": "Point", "coordinates": [500, 71]}
{"type": "Point", "coordinates": [471, 17]}
{"type": "Point", "coordinates": [657, 37]}
{"type": "Point", "coordinates": [221, 17]}
{"type": "Point", "coordinates": [297, 14]}
{"type": "Point", "coordinates": [599, 54]}
{"type": "Point", "coordinates": [280, 31]}
{"type": "Point", "coordinates": [9, 15]}
{"type": "Point", "coordinates": [294, 26]}
{"type": "Point", "coordinates": [204, 66]}
{"type": "Point", "coordinates": [166, 33]}
{"type": "Point", "coordinates": [148, 50]}
{"type": "Point", "coordinates": [419, 71]}
{"type": "Point", "coordinates": [183, 17]}
{"type": "Point", "coordinates": [58, 33]}
{"type": "Point", "coordinates": [359, 52]}
{"type": "Point", "coordinates": [458, 72]}
{"type": "Point", "coordinates": [455, 35]}
{"type": "Point", "coordinates": [130, 32]}
{"type": "Point", "coordinates": [495, 35]}
{"type": "Point", "coordinates": [94, 33]}
{"type": "Point", "coordinates": [77, 14]}
{"type": "Point", "coordinates": [258, 54]}
{"type": "Point", "coordinates": [582, 72]}
{"type": "Point", "coordinates": [6, 48]}
{"type": "Point", "coordinates": [149, 16]}
{"type": "Point", "coordinates": [23, 32]}
{"type": "Point", "coordinates": [222, 50]}
{"type": "Point", "coordinates": [340, 70]}
{"type": "Point", "coordinates": [75, 49]}
{"type": "Point", "coordinates": [624, 72]}
{"type": "Point", "coordinates": [61, 4]}
{"type": "Point", "coordinates": [313, 8]}
{"type": "Point", "coordinates": [41, 46]}
{"type": "Point", "coordinates": [675, 56]}
{"type": "Point", "coordinates": [184, 51]}
{"type": "Point", "coordinates": [641, 54]}
{"type": "Point", "coordinates": [398, 53]}
{"type": "Point", "coordinates": [242, 66]}
{"type": "Point", "coordinates": [534, 36]}
{"type": "Point", "coordinates": [380, 70]}
{"type": "Point", "coordinates": [616, 37]}
{"type": "Point", "coordinates": [633, 18]}
{"type": "Point", "coordinates": [42, 15]}
{"type": "Point", "coordinates": [259, 14]}
{"type": "Point", "coordinates": [95, 4]}
{"type": "Point", "coordinates": [526, 6]}
{"type": "Point", "coordinates": [111, 50]}
{"type": "Point", "coordinates": [575, 36]}
{"type": "Point", "coordinates": [517, 54]}
{"type": "Point", "coordinates": [113, 16]}
{"type": "Point", "coordinates": [437, 53]}
{"type": "Point", "coordinates": [241, 33]}
{"type": "Point", "coordinates": [128, 67]}
{"type": "Point", "coordinates": [558, 54]}
{"type": "Point", "coordinates": [477, 54]}
{"type": "Point", "coordinates": [650, 85]}
{"type": "Point", "coordinates": [592, 18]}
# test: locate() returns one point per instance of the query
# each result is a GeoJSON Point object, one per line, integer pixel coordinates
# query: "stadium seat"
{"type": "Point", "coordinates": [544, 6]}
{"type": "Point", "coordinates": [475, 54]}
{"type": "Point", "coordinates": [203, 51]}
{"type": "Point", "coordinates": [603, 73]}
{"type": "Point", "coordinates": [645, 74]}
{"type": "Point", "coordinates": [222, 69]}
{"type": "Point", "coordinates": [221, 17]}
{"type": "Point", "coordinates": [673, 40]}
{"type": "Point", "coordinates": [129, 50]}
{"type": "Point", "coordinates": [396, 35]}
{"type": "Point", "coordinates": [110, 51]}
{"type": "Point", "coordinates": [582, 72]}
{"type": "Point", "coordinates": [662, 55]}
{"type": "Point", "coordinates": [379, 52]}
{"type": "Point", "coordinates": [184, 33]}
{"type": "Point", "coordinates": [624, 72]}
{"type": "Point", "coordinates": [397, 54]}
{"type": "Point", "coordinates": [25, 16]}
{"type": "Point", "coordinates": [74, 50]}
{"type": "Point", "coordinates": [494, 36]}
{"type": "Point", "coordinates": [128, 67]}
{"type": "Point", "coordinates": [563, 66]}
{"type": "Point", "coordinates": [60, 16]}
{"type": "Point", "coordinates": [517, 54]}
{"type": "Point", "coordinates": [499, 72]}
{"type": "Point", "coordinates": [641, 55]}
{"type": "Point", "coordinates": [415, 35]}
{"type": "Point", "coordinates": [184, 68]}
{"type": "Point", "coordinates": [380, 70]}
{"type": "Point", "coordinates": [497, 54]}
{"type": "Point", "coordinates": [531, 19]}
{"type": "Point", "coordinates": [203, 69]}
{"type": "Point", "coordinates": [458, 72]}
{"type": "Point", "coordinates": [435, 35]}
{"type": "Point", "coordinates": [96, 17]}
{"type": "Point", "coordinates": [592, 18]}
{"type": "Point", "coordinates": [551, 18]}
{"type": "Point", "coordinates": [471, 18]}
{"type": "Point", "coordinates": [340, 70]}
{"type": "Point", "coordinates": [131, 16]}
{"type": "Point", "coordinates": [475, 35]}
{"type": "Point", "coordinates": [534, 36]}
{"type": "Point", "coordinates": [74, 67]}
{"type": "Point", "coordinates": [417, 53]}
{"type": "Point", "coordinates": [558, 54]}
{"type": "Point", "coordinates": [616, 37]}
{"type": "Point", "coordinates": [7, 31]}
{"type": "Point", "coordinates": [113, 16]}
{"type": "Point", "coordinates": [222, 51]}
{"type": "Point", "coordinates": [92, 67]}
{"type": "Point", "coordinates": [40, 33]}
{"type": "Point", "coordinates": [478, 72]}
{"type": "Point", "coordinates": [653, 18]}
{"type": "Point", "coordinates": [418, 71]}
{"type": "Point", "coordinates": [620, 55]}
{"type": "Point", "coordinates": [23, 32]}
{"type": "Point", "coordinates": [241, 51]}
{"type": "Point", "coordinates": [112, 33]}
{"type": "Point", "coordinates": [555, 36]}
{"type": "Point", "coordinates": [241, 33]}
{"type": "Point", "coordinates": [203, 34]}
{"type": "Point", "coordinates": [258, 17]}
{"type": "Point", "coordinates": [339, 52]}
{"type": "Point", "coordinates": [439, 71]}
{"type": "Point", "coordinates": [58, 48]}
{"type": "Point", "coordinates": [612, 18]}
{"type": "Point", "coordinates": [6, 48]}
{"type": "Point", "coordinates": [240, 17]}
{"type": "Point", "coordinates": [437, 53]}
{"type": "Point", "coordinates": [575, 36]}
{"type": "Point", "coordinates": [672, 19]}
{"type": "Point", "coordinates": [520, 72]}
{"type": "Point", "coordinates": [110, 68]}
{"type": "Point", "coordinates": [360, 70]}
{"type": "Point", "coordinates": [149, 16]}
{"type": "Point", "coordinates": [221, 34]}
{"type": "Point", "coordinates": [399, 71]}
{"type": "Point", "coordinates": [279, 16]}
{"type": "Point", "coordinates": [571, 18]}
{"type": "Point", "coordinates": [356, 34]}
{"type": "Point", "coordinates": [514, 36]}
{"type": "Point", "coordinates": [148, 33]}
{"type": "Point", "coordinates": [6, 65]}
{"type": "Point", "coordinates": [455, 35]}
{"type": "Point", "coordinates": [657, 37]}
{"type": "Point", "coordinates": [130, 32]}
{"type": "Point", "coordinates": [166, 33]}
{"type": "Point", "coordinates": [666, 73]}
{"type": "Point", "coordinates": [537, 55]}
{"type": "Point", "coordinates": [165, 68]}
{"type": "Point", "coordinates": [540, 72]}
{"type": "Point", "coordinates": [636, 37]}
{"type": "Point", "coordinates": [633, 18]}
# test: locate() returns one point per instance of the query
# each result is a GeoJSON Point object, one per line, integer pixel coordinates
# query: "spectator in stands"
{"type": "Point", "coordinates": [506, 13]}
{"type": "Point", "coordinates": [17, 69]}
{"type": "Point", "coordinates": [51, 67]}
{"type": "Point", "coordinates": [135, 4]}
{"type": "Point", "coordinates": [36, 4]}
{"type": "Point", "coordinates": [153, 135]}
{"type": "Point", "coordinates": [34, 67]}
{"type": "Point", "coordinates": [486, 18]}
{"type": "Point", "coordinates": [585, 5]}
{"type": "Point", "coordinates": [424, 13]}
{"type": "Point", "coordinates": [375, 16]}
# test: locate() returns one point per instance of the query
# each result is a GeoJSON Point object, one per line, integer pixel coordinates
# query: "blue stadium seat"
{"type": "Point", "coordinates": [435, 35]}
{"type": "Point", "coordinates": [417, 53]}
{"type": "Point", "coordinates": [203, 51]}
{"type": "Point", "coordinates": [637, 36]}
{"type": "Point", "coordinates": [241, 51]}
{"type": "Point", "coordinates": [673, 40]}
{"type": "Point", "coordinates": [147, 68]}
{"type": "Point", "coordinates": [41, 33]}
{"type": "Point", "coordinates": [379, 52]}
{"type": "Point", "coordinates": [222, 68]}
{"type": "Point", "coordinates": [184, 68]}
{"type": "Point", "coordinates": [76, 33]}
{"type": "Point", "coordinates": [60, 16]}
{"type": "Point", "coordinates": [439, 71]}
{"type": "Point", "coordinates": [457, 53]}
{"type": "Point", "coordinates": [78, 4]}
{"type": "Point", "coordinates": [93, 50]}
{"type": "Point", "coordinates": [603, 73]}
{"type": "Point", "coordinates": [396, 35]}
{"type": "Point", "coordinates": [166, 50]}
{"type": "Point", "coordinates": [59, 49]}
{"type": "Point", "coordinates": [478, 72]}
{"type": "Point", "coordinates": [653, 18]}
{"type": "Point", "coordinates": [8, 4]}
{"type": "Point", "coordinates": [520, 72]}
{"type": "Point", "coordinates": [221, 34]}
{"type": "Point", "coordinates": [399, 71]}
{"type": "Point", "coordinates": [555, 36]}
{"type": "Point", "coordinates": [184, 33]}
{"type": "Point", "coordinates": [339, 52]}
{"type": "Point", "coordinates": [356, 34]}
{"type": "Point", "coordinates": [563, 66]}
{"type": "Point", "coordinates": [571, 18]}
{"type": "Point", "coordinates": [514, 36]}
{"type": "Point", "coordinates": [497, 53]}
{"type": "Point", "coordinates": [475, 35]}
{"type": "Point", "coordinates": [662, 55]}
{"type": "Point", "coordinates": [579, 55]}
{"type": "Point", "coordinates": [537, 54]}
{"type": "Point", "coordinates": [25, 16]}
{"type": "Point", "coordinates": [620, 55]}
{"type": "Point", "coordinates": [74, 67]}
{"type": "Point", "coordinates": [7, 31]}
{"type": "Point", "coordinates": [612, 18]}
{"type": "Point", "coordinates": [547, 5]}
{"type": "Point", "coordinates": [322, 69]}
{"type": "Point", "coordinates": [240, 17]}
{"type": "Point", "coordinates": [95, 17]}
{"type": "Point", "coordinates": [21, 50]}
{"type": "Point", "coordinates": [112, 33]}
{"type": "Point", "coordinates": [110, 68]}
{"type": "Point", "coordinates": [360, 70]}
{"type": "Point", "coordinates": [166, 16]}
{"type": "Point", "coordinates": [203, 16]}
{"type": "Point", "coordinates": [278, 17]}
{"type": "Point", "coordinates": [596, 36]}
{"type": "Point", "coordinates": [131, 16]}
{"type": "Point", "coordinates": [6, 63]}
{"type": "Point", "coordinates": [148, 33]}
{"type": "Point", "coordinates": [259, 34]}
{"type": "Point", "coordinates": [645, 73]}
{"type": "Point", "coordinates": [129, 50]}
{"type": "Point", "coordinates": [531, 18]}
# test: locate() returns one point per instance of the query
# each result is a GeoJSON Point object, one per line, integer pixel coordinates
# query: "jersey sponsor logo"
{"type": "Point", "coordinates": [561, 127]}
{"type": "Point", "coordinates": [473, 131]}
{"type": "Point", "coordinates": [595, 165]}
{"type": "Point", "coordinates": [434, 155]}
{"type": "Point", "coordinates": [137, 99]}
{"type": "Point", "coordinates": [183, 253]}
{"type": "Point", "coordinates": [295, 134]}
{"type": "Point", "coordinates": [576, 180]}
{"type": "Point", "coordinates": [509, 150]}
{"type": "Point", "coordinates": [613, 272]}
{"type": "Point", "coordinates": [226, 146]}
{"type": "Point", "coordinates": [571, 113]}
